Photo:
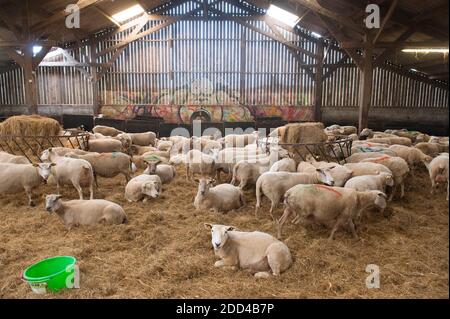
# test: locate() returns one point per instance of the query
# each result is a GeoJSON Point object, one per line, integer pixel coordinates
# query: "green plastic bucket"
{"type": "Point", "coordinates": [51, 274]}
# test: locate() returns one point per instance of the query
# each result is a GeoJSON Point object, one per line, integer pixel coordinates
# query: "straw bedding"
{"type": "Point", "coordinates": [165, 251]}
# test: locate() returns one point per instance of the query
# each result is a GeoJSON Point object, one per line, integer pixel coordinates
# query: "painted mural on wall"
{"type": "Point", "coordinates": [203, 99]}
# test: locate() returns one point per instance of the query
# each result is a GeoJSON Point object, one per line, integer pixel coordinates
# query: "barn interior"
{"type": "Point", "coordinates": [154, 65]}
{"type": "Point", "coordinates": [228, 60]}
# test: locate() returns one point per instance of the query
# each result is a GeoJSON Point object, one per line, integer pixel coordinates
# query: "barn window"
{"type": "Point", "coordinates": [282, 15]}
{"type": "Point", "coordinates": [128, 13]}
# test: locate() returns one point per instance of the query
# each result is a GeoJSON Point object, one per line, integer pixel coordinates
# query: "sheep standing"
{"type": "Point", "coordinates": [197, 162]}
{"type": "Point", "coordinates": [258, 252]}
{"type": "Point", "coordinates": [413, 156]}
{"type": "Point", "coordinates": [220, 198]}
{"type": "Point", "coordinates": [143, 139]}
{"type": "Point", "coordinates": [104, 145]}
{"type": "Point", "coordinates": [333, 207]}
{"type": "Point", "coordinates": [16, 178]}
{"type": "Point", "coordinates": [106, 130]}
{"type": "Point", "coordinates": [438, 170]}
{"type": "Point", "coordinates": [77, 172]}
{"type": "Point", "coordinates": [339, 173]}
{"type": "Point", "coordinates": [108, 164]}
{"type": "Point", "coordinates": [85, 212]}
{"type": "Point", "coordinates": [13, 159]}
{"type": "Point", "coordinates": [399, 168]}
{"type": "Point", "coordinates": [283, 165]}
{"type": "Point", "coordinates": [275, 184]}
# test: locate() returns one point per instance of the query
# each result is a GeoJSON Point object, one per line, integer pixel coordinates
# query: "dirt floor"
{"type": "Point", "coordinates": [165, 251]}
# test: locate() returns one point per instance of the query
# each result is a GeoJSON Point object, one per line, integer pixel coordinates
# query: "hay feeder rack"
{"type": "Point", "coordinates": [330, 151]}
{"type": "Point", "coordinates": [32, 146]}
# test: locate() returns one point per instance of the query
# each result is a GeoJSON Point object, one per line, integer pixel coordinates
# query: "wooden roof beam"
{"type": "Point", "coordinates": [82, 4]}
{"type": "Point", "coordinates": [385, 20]}
{"type": "Point", "coordinates": [106, 15]}
{"type": "Point", "coordinates": [314, 6]}
{"type": "Point", "coordinates": [340, 38]}
{"type": "Point", "coordinates": [387, 52]}
{"type": "Point", "coordinates": [399, 44]}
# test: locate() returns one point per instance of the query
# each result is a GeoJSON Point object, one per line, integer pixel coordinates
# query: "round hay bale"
{"type": "Point", "coordinates": [30, 125]}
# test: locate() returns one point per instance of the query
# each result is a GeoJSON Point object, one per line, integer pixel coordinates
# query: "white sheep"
{"type": "Point", "coordinates": [366, 168]}
{"type": "Point", "coordinates": [23, 177]}
{"type": "Point", "coordinates": [166, 172]}
{"type": "Point", "coordinates": [339, 173]}
{"type": "Point", "coordinates": [220, 198]}
{"type": "Point", "coordinates": [248, 171]}
{"type": "Point", "coordinates": [275, 184]}
{"type": "Point", "coordinates": [371, 182]}
{"type": "Point", "coordinates": [197, 162]}
{"type": "Point", "coordinates": [438, 170]}
{"type": "Point", "coordinates": [260, 253]}
{"type": "Point", "coordinates": [143, 187]}
{"type": "Point", "coordinates": [283, 165]}
{"type": "Point", "coordinates": [77, 172]}
{"type": "Point", "coordinates": [413, 156]}
{"type": "Point", "coordinates": [108, 164]}
{"type": "Point", "coordinates": [333, 207]}
{"type": "Point", "coordinates": [240, 140]}
{"type": "Point", "coordinates": [85, 212]}
{"type": "Point", "coordinates": [13, 159]}
{"type": "Point", "coordinates": [399, 169]}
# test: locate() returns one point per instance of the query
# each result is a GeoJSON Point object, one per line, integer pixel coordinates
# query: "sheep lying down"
{"type": "Point", "coordinates": [334, 207]}
{"type": "Point", "coordinates": [85, 212]}
{"type": "Point", "coordinates": [260, 253]}
{"type": "Point", "coordinates": [220, 198]}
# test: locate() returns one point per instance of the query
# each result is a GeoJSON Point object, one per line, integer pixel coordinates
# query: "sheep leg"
{"type": "Point", "coordinates": [335, 227]}
{"type": "Point", "coordinates": [95, 179]}
{"type": "Point", "coordinates": [91, 190]}
{"type": "Point", "coordinates": [433, 186]}
{"type": "Point", "coordinates": [30, 196]}
{"type": "Point", "coordinates": [402, 189]}
{"type": "Point", "coordinates": [351, 225]}
{"type": "Point", "coordinates": [273, 206]}
{"type": "Point", "coordinates": [79, 189]}
{"type": "Point", "coordinates": [57, 186]}
{"type": "Point", "coordinates": [224, 262]}
{"type": "Point", "coordinates": [187, 172]}
{"type": "Point", "coordinates": [243, 183]}
{"type": "Point", "coordinates": [391, 195]}
{"type": "Point", "coordinates": [287, 212]}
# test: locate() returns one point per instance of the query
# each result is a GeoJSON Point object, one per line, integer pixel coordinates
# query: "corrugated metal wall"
{"type": "Point", "coordinates": [215, 63]}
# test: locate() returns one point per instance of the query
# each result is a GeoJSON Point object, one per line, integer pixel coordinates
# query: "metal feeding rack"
{"type": "Point", "coordinates": [32, 146]}
{"type": "Point", "coordinates": [330, 151]}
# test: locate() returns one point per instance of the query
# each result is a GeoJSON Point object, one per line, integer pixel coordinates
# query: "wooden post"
{"type": "Point", "coordinates": [243, 67]}
{"type": "Point", "coordinates": [365, 86]}
{"type": "Point", "coordinates": [94, 78]}
{"type": "Point", "coordinates": [318, 82]}
{"type": "Point", "coordinates": [30, 80]}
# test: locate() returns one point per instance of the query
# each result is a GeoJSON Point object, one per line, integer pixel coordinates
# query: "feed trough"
{"type": "Point", "coordinates": [330, 151]}
{"type": "Point", "coordinates": [32, 146]}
